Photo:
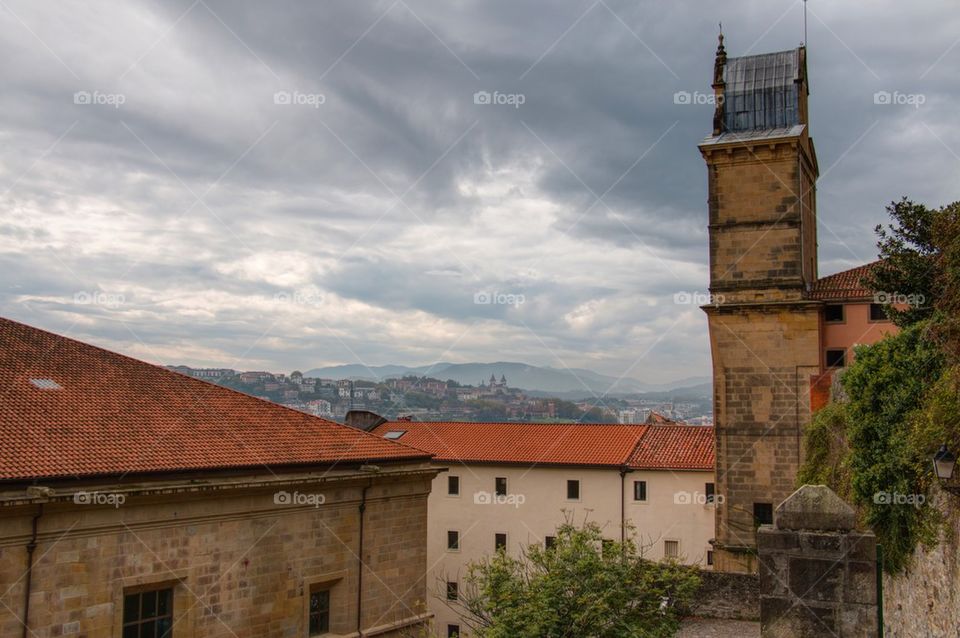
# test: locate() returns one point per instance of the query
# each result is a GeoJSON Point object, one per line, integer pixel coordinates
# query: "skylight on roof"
{"type": "Point", "coordinates": [393, 435]}
{"type": "Point", "coordinates": [46, 384]}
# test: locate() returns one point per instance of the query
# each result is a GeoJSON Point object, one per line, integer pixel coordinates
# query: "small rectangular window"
{"type": "Point", "coordinates": [549, 542]}
{"type": "Point", "coordinates": [453, 631]}
{"type": "Point", "coordinates": [319, 612]}
{"type": "Point", "coordinates": [453, 485]}
{"type": "Point", "coordinates": [671, 549]}
{"type": "Point", "coordinates": [573, 490]}
{"type": "Point", "coordinates": [453, 590]}
{"type": "Point", "coordinates": [453, 540]}
{"type": "Point", "coordinates": [639, 490]}
{"type": "Point", "coordinates": [833, 313]}
{"type": "Point", "coordinates": [763, 513]}
{"type": "Point", "coordinates": [148, 613]}
{"type": "Point", "coordinates": [709, 491]}
{"type": "Point", "coordinates": [500, 486]}
{"type": "Point", "coordinates": [836, 358]}
{"type": "Point", "coordinates": [499, 541]}
{"type": "Point", "coordinates": [877, 313]}
{"type": "Point", "coordinates": [709, 557]}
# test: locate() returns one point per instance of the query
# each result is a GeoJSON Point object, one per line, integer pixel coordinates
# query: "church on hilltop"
{"type": "Point", "coordinates": [777, 330]}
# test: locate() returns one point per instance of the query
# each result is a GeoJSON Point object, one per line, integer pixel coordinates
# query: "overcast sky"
{"type": "Point", "coordinates": [289, 185]}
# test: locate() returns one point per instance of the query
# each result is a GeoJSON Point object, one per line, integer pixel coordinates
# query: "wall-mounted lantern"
{"type": "Point", "coordinates": [944, 462]}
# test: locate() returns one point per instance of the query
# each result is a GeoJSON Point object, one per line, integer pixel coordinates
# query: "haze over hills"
{"type": "Point", "coordinates": [519, 375]}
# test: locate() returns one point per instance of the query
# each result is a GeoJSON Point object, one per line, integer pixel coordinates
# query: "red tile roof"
{"type": "Point", "coordinates": [674, 447]}
{"type": "Point", "coordinates": [670, 447]}
{"type": "Point", "coordinates": [115, 415]}
{"type": "Point", "coordinates": [542, 443]}
{"type": "Point", "coordinates": [843, 286]}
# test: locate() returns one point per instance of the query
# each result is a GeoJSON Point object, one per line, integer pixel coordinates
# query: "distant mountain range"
{"type": "Point", "coordinates": [519, 375]}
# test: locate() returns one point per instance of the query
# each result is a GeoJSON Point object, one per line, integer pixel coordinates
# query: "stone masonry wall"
{"type": "Point", "coordinates": [925, 599]}
{"type": "Point", "coordinates": [817, 574]}
{"type": "Point", "coordinates": [241, 565]}
{"type": "Point", "coordinates": [763, 360]}
{"type": "Point", "coordinates": [727, 596]}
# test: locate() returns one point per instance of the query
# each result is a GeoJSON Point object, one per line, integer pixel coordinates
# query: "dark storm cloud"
{"type": "Point", "coordinates": [208, 223]}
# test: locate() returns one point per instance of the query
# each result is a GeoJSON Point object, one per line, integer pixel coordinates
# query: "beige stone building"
{"type": "Point", "coordinates": [777, 330]}
{"type": "Point", "coordinates": [513, 484]}
{"type": "Point", "coordinates": [138, 502]}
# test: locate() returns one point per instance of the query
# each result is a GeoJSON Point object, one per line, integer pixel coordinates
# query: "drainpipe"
{"type": "Point", "coordinates": [624, 470]}
{"type": "Point", "coordinates": [31, 547]}
{"type": "Point", "coordinates": [362, 508]}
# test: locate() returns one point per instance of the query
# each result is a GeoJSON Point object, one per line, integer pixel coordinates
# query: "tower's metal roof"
{"type": "Point", "coordinates": [761, 91]}
{"type": "Point", "coordinates": [764, 71]}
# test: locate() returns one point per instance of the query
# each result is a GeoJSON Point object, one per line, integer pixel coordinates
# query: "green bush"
{"type": "Point", "coordinates": [583, 586]}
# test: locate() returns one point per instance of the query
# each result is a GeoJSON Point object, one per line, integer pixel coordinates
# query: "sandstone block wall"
{"type": "Point", "coordinates": [764, 358]}
{"type": "Point", "coordinates": [239, 564]}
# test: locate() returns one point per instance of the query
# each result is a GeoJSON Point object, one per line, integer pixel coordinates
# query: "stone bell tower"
{"type": "Point", "coordinates": [764, 332]}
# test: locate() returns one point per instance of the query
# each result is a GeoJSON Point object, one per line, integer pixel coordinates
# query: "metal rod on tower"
{"type": "Point", "coordinates": [804, 22]}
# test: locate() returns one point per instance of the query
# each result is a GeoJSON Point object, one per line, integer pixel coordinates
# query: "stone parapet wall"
{"type": "Point", "coordinates": [728, 596]}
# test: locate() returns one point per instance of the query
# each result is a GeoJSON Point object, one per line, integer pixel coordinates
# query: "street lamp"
{"type": "Point", "coordinates": [943, 463]}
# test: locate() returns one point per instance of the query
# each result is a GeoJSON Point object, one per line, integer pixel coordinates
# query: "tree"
{"type": "Point", "coordinates": [908, 266]}
{"type": "Point", "coordinates": [946, 328]}
{"type": "Point", "coordinates": [583, 586]}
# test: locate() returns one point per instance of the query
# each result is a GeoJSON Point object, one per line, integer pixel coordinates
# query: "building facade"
{"type": "Point", "coordinates": [135, 501]}
{"type": "Point", "coordinates": [513, 484]}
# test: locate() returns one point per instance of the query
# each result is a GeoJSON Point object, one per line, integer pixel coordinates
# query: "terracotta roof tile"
{"type": "Point", "coordinates": [115, 415]}
{"type": "Point", "coordinates": [546, 443]}
{"type": "Point", "coordinates": [642, 446]}
{"type": "Point", "coordinates": [674, 447]}
{"type": "Point", "coordinates": [843, 286]}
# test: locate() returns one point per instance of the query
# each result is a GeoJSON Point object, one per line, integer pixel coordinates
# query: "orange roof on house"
{"type": "Point", "coordinates": [69, 409]}
{"type": "Point", "coordinates": [612, 445]}
{"type": "Point", "coordinates": [674, 447]}
{"type": "Point", "coordinates": [843, 286]}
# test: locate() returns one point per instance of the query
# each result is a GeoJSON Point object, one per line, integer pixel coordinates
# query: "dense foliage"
{"type": "Point", "coordinates": [902, 394]}
{"type": "Point", "coordinates": [583, 586]}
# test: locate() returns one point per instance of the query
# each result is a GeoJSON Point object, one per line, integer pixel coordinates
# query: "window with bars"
{"type": "Point", "coordinates": [319, 612]}
{"type": "Point", "coordinates": [148, 614]}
